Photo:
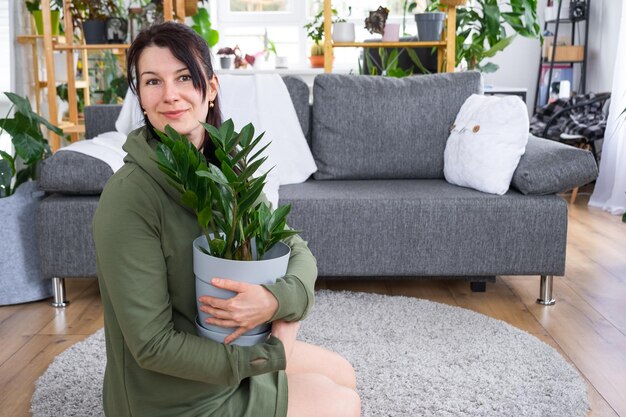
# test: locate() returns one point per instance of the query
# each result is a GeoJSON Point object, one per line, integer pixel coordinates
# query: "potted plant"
{"type": "Point", "coordinates": [34, 7]}
{"type": "Point", "coordinates": [91, 16]}
{"type": "Point", "coordinates": [202, 26]}
{"type": "Point", "coordinates": [343, 31]}
{"type": "Point", "coordinates": [226, 55]}
{"type": "Point", "coordinates": [20, 276]}
{"type": "Point", "coordinates": [241, 237]}
{"type": "Point", "coordinates": [315, 31]}
{"type": "Point", "coordinates": [430, 23]}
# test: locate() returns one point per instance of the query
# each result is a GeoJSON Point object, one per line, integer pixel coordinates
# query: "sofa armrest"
{"type": "Point", "coordinates": [549, 167]}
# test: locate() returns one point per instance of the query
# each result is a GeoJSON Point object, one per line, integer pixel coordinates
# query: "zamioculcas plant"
{"type": "Point", "coordinates": [225, 196]}
{"type": "Point", "coordinates": [30, 144]}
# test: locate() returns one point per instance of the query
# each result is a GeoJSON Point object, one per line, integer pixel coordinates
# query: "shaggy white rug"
{"type": "Point", "coordinates": [413, 358]}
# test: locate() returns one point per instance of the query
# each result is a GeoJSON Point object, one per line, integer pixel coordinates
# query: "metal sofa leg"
{"type": "Point", "coordinates": [58, 288]}
{"type": "Point", "coordinates": [545, 291]}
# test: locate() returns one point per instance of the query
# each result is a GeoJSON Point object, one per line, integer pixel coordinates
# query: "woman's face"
{"type": "Point", "coordinates": [167, 94]}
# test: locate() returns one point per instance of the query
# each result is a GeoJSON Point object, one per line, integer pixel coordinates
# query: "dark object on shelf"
{"type": "Point", "coordinates": [478, 286]}
{"type": "Point", "coordinates": [577, 10]}
{"type": "Point", "coordinates": [94, 32]}
{"type": "Point", "coordinates": [117, 29]}
{"type": "Point", "coordinates": [375, 23]}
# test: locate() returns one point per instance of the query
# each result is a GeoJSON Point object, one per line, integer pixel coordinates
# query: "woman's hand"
{"type": "Point", "coordinates": [253, 305]}
{"type": "Point", "coordinates": [286, 332]}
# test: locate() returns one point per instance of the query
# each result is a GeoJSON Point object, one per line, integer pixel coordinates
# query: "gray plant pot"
{"type": "Point", "coordinates": [264, 271]}
{"type": "Point", "coordinates": [95, 31]}
{"type": "Point", "coordinates": [226, 62]}
{"type": "Point", "coordinates": [20, 274]}
{"type": "Point", "coordinates": [429, 26]}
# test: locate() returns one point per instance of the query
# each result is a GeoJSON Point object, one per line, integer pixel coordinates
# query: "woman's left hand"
{"type": "Point", "coordinates": [253, 305]}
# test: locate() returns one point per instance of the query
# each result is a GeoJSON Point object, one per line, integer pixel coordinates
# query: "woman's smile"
{"type": "Point", "coordinates": [174, 114]}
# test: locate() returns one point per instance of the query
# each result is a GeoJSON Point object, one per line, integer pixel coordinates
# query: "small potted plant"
{"type": "Point", "coordinates": [91, 16]}
{"type": "Point", "coordinates": [315, 31]}
{"type": "Point", "coordinates": [20, 276]}
{"type": "Point", "coordinates": [226, 54]}
{"type": "Point", "coordinates": [241, 236]}
{"type": "Point", "coordinates": [34, 7]}
{"type": "Point", "coordinates": [343, 31]}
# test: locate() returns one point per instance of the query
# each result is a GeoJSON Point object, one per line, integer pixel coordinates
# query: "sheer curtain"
{"type": "Point", "coordinates": [610, 189]}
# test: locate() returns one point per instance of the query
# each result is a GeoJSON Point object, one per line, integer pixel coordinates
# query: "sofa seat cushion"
{"type": "Point", "coordinates": [367, 127]}
{"type": "Point", "coordinates": [71, 172]}
{"type": "Point", "coordinates": [426, 227]}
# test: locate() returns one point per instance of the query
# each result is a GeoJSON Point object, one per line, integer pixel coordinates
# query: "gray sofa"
{"type": "Point", "coordinates": [379, 205]}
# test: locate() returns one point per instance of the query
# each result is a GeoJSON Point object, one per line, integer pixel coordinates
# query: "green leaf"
{"type": "Point", "coordinates": [28, 148]}
{"type": "Point", "coordinates": [190, 199]}
{"type": "Point", "coordinates": [204, 217]}
{"type": "Point", "coordinates": [217, 247]}
{"type": "Point", "coordinates": [499, 46]}
{"type": "Point", "coordinates": [21, 104]}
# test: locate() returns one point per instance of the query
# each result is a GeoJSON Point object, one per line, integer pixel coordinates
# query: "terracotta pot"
{"type": "Point", "coordinates": [317, 61]}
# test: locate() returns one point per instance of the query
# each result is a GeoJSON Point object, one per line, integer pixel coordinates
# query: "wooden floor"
{"type": "Point", "coordinates": [587, 325]}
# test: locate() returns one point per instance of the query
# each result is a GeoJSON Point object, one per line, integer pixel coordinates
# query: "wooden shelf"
{"type": "Point", "coordinates": [69, 127]}
{"type": "Point", "coordinates": [387, 44]}
{"type": "Point", "coordinates": [66, 44]}
{"type": "Point", "coordinates": [34, 38]}
{"type": "Point", "coordinates": [445, 47]}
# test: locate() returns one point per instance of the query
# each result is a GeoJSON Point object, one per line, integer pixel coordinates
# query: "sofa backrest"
{"type": "Point", "coordinates": [372, 127]}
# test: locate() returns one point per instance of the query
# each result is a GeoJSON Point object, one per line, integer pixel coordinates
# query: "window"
{"type": "Point", "coordinates": [251, 23]}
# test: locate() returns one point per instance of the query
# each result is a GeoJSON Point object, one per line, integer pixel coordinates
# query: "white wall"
{"type": "Point", "coordinates": [519, 63]}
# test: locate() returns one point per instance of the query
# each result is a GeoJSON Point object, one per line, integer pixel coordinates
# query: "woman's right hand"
{"type": "Point", "coordinates": [286, 332]}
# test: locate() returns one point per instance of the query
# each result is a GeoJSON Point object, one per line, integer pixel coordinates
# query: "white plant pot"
{"type": "Point", "coordinates": [265, 271]}
{"type": "Point", "coordinates": [343, 32]}
{"type": "Point", "coordinates": [20, 273]}
{"type": "Point", "coordinates": [391, 32]}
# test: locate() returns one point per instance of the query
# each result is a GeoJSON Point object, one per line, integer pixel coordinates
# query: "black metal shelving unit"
{"type": "Point", "coordinates": [550, 61]}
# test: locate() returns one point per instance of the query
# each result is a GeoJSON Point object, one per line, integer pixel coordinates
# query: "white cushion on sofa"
{"type": "Point", "coordinates": [486, 142]}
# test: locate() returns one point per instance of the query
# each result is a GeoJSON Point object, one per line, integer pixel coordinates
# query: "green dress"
{"type": "Point", "coordinates": [156, 365]}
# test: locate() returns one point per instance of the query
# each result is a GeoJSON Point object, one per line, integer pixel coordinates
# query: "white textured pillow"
{"type": "Point", "coordinates": [486, 142]}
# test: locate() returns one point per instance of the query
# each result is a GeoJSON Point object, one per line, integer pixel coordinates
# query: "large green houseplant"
{"type": "Point", "coordinates": [31, 147]}
{"type": "Point", "coordinates": [236, 224]}
{"type": "Point", "coordinates": [20, 274]}
{"type": "Point", "coordinates": [481, 29]}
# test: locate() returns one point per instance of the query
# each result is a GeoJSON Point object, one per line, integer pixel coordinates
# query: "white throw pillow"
{"type": "Point", "coordinates": [486, 142]}
{"type": "Point", "coordinates": [131, 116]}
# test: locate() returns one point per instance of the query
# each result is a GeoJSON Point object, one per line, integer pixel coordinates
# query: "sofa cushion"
{"type": "Point", "coordinates": [368, 127]}
{"type": "Point", "coordinates": [71, 172]}
{"type": "Point", "coordinates": [486, 143]}
{"type": "Point", "coordinates": [549, 167]}
{"type": "Point", "coordinates": [426, 228]}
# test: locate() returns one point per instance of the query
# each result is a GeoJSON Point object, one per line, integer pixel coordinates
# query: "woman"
{"type": "Point", "coordinates": [156, 365]}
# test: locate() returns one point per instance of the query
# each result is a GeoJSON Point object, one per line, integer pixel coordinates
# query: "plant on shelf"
{"type": "Point", "coordinates": [315, 31]}
{"type": "Point", "coordinates": [31, 147]}
{"type": "Point", "coordinates": [481, 29]}
{"type": "Point", "coordinates": [90, 17]}
{"type": "Point", "coordinates": [202, 26]}
{"type": "Point", "coordinates": [34, 7]}
{"type": "Point", "coordinates": [387, 65]}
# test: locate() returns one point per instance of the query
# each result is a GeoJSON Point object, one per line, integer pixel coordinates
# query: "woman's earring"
{"type": "Point", "coordinates": [211, 105]}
